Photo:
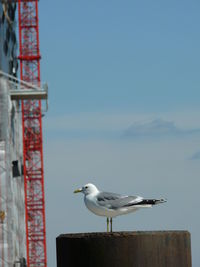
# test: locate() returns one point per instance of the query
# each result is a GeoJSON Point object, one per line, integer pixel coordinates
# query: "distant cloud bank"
{"type": "Point", "coordinates": [156, 128]}
{"type": "Point", "coordinates": [113, 126]}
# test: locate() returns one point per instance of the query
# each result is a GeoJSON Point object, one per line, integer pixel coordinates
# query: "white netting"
{"type": "Point", "coordinates": [12, 221]}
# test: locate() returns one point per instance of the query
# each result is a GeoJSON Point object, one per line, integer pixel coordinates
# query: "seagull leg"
{"type": "Point", "coordinates": [107, 224]}
{"type": "Point", "coordinates": [111, 224]}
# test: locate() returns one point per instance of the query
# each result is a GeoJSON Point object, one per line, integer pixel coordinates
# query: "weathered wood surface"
{"type": "Point", "coordinates": [125, 249]}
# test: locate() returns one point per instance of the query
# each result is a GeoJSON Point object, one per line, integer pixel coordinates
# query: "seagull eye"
{"type": "Point", "coordinates": [86, 187]}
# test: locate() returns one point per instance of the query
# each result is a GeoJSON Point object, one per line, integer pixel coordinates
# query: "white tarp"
{"type": "Point", "coordinates": [12, 224]}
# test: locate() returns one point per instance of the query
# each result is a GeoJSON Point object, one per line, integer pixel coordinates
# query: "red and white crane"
{"type": "Point", "coordinates": [29, 56]}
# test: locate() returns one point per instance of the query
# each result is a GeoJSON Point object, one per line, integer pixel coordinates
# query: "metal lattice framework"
{"type": "Point", "coordinates": [32, 135]}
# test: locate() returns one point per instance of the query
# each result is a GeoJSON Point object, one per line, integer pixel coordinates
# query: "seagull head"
{"type": "Point", "coordinates": [87, 189]}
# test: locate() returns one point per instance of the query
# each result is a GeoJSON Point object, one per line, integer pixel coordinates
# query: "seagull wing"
{"type": "Point", "coordinates": [116, 201]}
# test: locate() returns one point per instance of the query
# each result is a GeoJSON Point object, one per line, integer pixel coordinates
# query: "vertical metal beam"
{"type": "Point", "coordinates": [29, 56]}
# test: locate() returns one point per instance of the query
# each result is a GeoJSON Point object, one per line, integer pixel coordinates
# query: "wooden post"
{"type": "Point", "coordinates": [125, 249]}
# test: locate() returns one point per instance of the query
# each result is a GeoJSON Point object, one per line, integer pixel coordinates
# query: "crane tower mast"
{"type": "Point", "coordinates": [29, 56]}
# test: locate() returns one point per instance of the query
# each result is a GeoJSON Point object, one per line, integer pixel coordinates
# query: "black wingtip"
{"type": "Point", "coordinates": [162, 200]}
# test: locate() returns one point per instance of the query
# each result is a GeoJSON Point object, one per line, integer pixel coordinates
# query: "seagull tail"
{"type": "Point", "coordinates": [153, 201]}
{"type": "Point", "coordinates": [146, 203]}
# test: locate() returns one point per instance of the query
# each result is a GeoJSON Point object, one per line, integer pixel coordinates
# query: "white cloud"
{"type": "Point", "coordinates": [151, 128]}
{"type": "Point", "coordinates": [156, 128]}
{"type": "Point", "coordinates": [111, 124]}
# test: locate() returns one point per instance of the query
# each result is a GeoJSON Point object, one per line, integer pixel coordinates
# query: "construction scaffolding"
{"type": "Point", "coordinates": [12, 214]}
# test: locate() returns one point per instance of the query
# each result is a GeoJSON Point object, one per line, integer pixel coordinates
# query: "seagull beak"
{"type": "Point", "coordinates": [78, 190]}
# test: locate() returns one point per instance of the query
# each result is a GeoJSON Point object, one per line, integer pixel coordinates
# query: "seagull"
{"type": "Point", "coordinates": [111, 205]}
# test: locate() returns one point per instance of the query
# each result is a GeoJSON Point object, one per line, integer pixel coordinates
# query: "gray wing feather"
{"type": "Point", "coordinates": [116, 201]}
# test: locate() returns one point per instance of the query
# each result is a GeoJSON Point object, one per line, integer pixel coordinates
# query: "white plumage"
{"type": "Point", "coordinates": [111, 204]}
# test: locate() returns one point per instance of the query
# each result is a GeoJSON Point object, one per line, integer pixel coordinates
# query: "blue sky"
{"type": "Point", "coordinates": [118, 67]}
{"type": "Point", "coordinates": [116, 55]}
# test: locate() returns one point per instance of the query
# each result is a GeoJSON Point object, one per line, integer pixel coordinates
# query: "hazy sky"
{"type": "Point", "coordinates": [123, 111]}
